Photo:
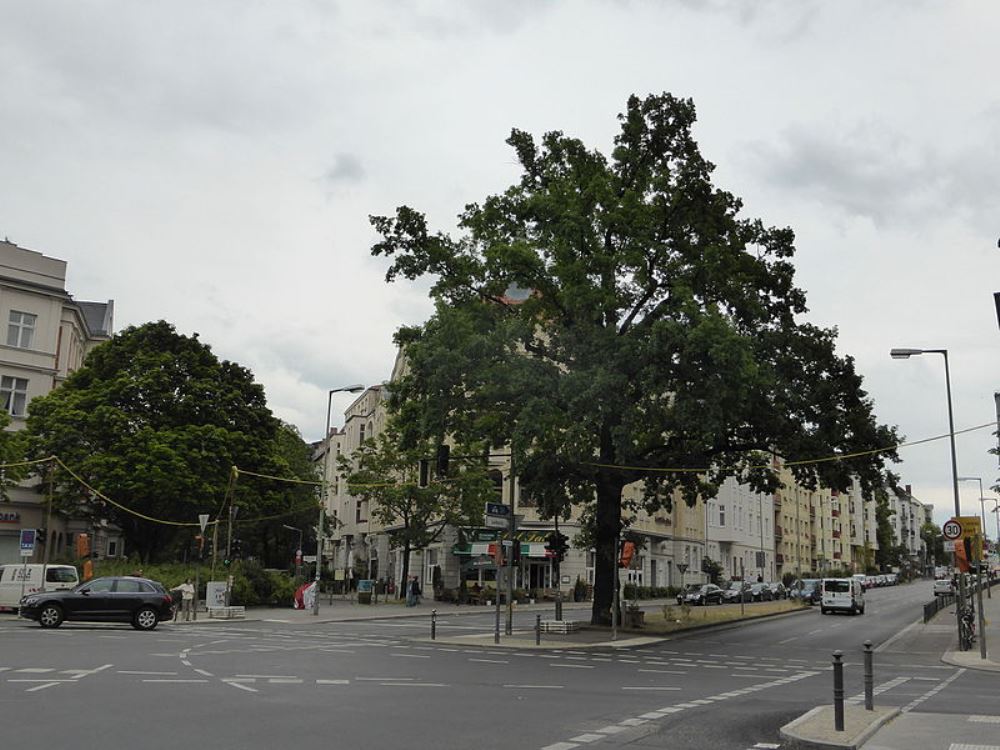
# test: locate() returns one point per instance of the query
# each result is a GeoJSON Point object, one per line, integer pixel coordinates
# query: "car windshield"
{"type": "Point", "coordinates": [837, 587]}
{"type": "Point", "coordinates": [60, 575]}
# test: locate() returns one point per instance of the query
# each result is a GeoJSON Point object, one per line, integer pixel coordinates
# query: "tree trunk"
{"type": "Point", "coordinates": [608, 526]}
{"type": "Point", "coordinates": [406, 570]}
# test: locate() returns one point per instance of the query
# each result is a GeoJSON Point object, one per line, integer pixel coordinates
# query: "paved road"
{"type": "Point", "coordinates": [380, 683]}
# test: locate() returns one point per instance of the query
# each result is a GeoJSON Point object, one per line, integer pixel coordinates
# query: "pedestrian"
{"type": "Point", "coordinates": [187, 598]}
{"type": "Point", "coordinates": [411, 591]}
{"type": "Point", "coordinates": [416, 591]}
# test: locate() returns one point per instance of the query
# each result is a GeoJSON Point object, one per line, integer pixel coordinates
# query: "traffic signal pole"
{"type": "Point", "coordinates": [558, 572]}
{"type": "Point", "coordinates": [512, 528]}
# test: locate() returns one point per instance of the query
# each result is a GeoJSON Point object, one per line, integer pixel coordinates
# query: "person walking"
{"type": "Point", "coordinates": [411, 591]}
{"type": "Point", "coordinates": [417, 593]}
{"type": "Point", "coordinates": [187, 598]}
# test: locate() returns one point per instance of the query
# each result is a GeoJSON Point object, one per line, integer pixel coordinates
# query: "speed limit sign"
{"type": "Point", "coordinates": [951, 530]}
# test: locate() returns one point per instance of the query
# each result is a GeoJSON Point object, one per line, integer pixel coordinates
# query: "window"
{"type": "Point", "coordinates": [14, 394]}
{"type": "Point", "coordinates": [361, 437]}
{"type": "Point", "coordinates": [126, 586]}
{"type": "Point", "coordinates": [722, 515]}
{"type": "Point", "coordinates": [112, 548]}
{"type": "Point", "coordinates": [21, 329]}
{"type": "Point", "coordinates": [357, 513]}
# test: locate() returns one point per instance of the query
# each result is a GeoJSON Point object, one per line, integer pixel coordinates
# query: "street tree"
{"type": "Point", "coordinates": [616, 320]}
{"type": "Point", "coordinates": [154, 421]}
{"type": "Point", "coordinates": [384, 472]}
{"type": "Point", "coordinates": [933, 542]}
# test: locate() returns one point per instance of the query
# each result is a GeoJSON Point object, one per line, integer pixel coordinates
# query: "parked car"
{"type": "Point", "coordinates": [778, 590]}
{"type": "Point", "coordinates": [138, 601]}
{"type": "Point", "coordinates": [871, 582]}
{"type": "Point", "coordinates": [862, 579]}
{"type": "Point", "coordinates": [807, 589]}
{"type": "Point", "coordinates": [943, 587]}
{"type": "Point", "coordinates": [891, 579]}
{"type": "Point", "coordinates": [706, 594]}
{"type": "Point", "coordinates": [736, 591]}
{"type": "Point", "coordinates": [761, 592]}
{"type": "Point", "coordinates": [688, 589]}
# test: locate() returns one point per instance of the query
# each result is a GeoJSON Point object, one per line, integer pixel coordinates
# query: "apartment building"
{"type": "Point", "coordinates": [48, 336]}
{"type": "Point", "coordinates": [908, 515]}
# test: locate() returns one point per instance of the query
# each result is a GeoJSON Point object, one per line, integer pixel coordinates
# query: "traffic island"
{"type": "Point", "coordinates": [816, 729]}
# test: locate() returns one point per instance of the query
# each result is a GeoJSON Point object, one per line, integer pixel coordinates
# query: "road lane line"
{"type": "Point", "coordinates": [269, 676]}
{"type": "Point", "coordinates": [653, 688]}
{"type": "Point", "coordinates": [490, 661]}
{"type": "Point", "coordinates": [410, 656]}
{"type": "Point", "coordinates": [383, 679]}
{"type": "Point", "coordinates": [185, 681]}
{"type": "Point", "coordinates": [663, 671]}
{"type": "Point", "coordinates": [242, 687]}
{"type": "Point", "coordinates": [413, 684]}
{"type": "Point", "coordinates": [587, 738]}
{"type": "Point", "coordinates": [561, 746]}
{"type": "Point", "coordinates": [149, 674]}
{"type": "Point", "coordinates": [41, 687]}
{"type": "Point", "coordinates": [536, 687]}
{"type": "Point", "coordinates": [573, 666]}
{"type": "Point", "coordinates": [333, 682]}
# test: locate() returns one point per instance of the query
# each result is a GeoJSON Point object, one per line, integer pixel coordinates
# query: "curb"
{"type": "Point", "coordinates": [791, 731]}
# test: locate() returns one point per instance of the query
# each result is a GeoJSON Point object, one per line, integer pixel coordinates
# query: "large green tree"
{"type": "Point", "coordinates": [384, 472]}
{"type": "Point", "coordinates": [610, 317]}
{"type": "Point", "coordinates": [154, 421]}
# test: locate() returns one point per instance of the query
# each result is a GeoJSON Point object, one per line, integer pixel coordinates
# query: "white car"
{"type": "Point", "coordinates": [842, 595]}
{"type": "Point", "coordinates": [943, 587]}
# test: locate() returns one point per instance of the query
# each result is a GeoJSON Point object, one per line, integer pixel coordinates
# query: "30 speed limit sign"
{"type": "Point", "coordinates": [951, 530]}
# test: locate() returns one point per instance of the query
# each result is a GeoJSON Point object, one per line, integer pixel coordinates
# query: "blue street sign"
{"type": "Point", "coordinates": [497, 509]}
{"type": "Point", "coordinates": [27, 542]}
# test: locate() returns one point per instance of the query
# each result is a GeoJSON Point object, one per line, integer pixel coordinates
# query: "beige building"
{"type": "Point", "coordinates": [47, 337]}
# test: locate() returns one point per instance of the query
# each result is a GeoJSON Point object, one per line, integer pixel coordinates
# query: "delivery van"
{"type": "Point", "coordinates": [20, 580]}
{"type": "Point", "coordinates": [842, 595]}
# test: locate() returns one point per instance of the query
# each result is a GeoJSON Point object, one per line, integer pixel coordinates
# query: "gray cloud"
{"type": "Point", "coordinates": [345, 168]}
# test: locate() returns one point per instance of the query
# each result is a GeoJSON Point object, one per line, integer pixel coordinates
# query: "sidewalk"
{"type": "Point", "coordinates": [889, 728]}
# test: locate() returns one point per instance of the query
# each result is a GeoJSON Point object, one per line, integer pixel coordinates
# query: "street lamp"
{"type": "Point", "coordinates": [326, 485]}
{"type": "Point", "coordinates": [298, 552]}
{"type": "Point", "coordinates": [906, 354]}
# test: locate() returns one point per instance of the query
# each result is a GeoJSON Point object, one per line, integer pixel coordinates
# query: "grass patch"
{"type": "Point", "coordinates": [674, 617]}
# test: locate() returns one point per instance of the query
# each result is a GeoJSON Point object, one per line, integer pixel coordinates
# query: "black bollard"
{"type": "Point", "coordinates": [838, 691]}
{"type": "Point", "coordinates": [538, 630]}
{"type": "Point", "coordinates": [869, 677]}
{"type": "Point", "coordinates": [434, 615]}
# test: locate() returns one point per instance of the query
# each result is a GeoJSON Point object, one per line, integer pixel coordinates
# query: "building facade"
{"type": "Point", "coordinates": [47, 337]}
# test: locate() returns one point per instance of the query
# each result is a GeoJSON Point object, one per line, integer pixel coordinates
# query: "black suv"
{"type": "Point", "coordinates": [139, 601]}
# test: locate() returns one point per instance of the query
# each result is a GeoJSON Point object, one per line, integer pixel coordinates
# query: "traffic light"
{"type": "Point", "coordinates": [556, 545]}
{"type": "Point", "coordinates": [425, 473]}
{"type": "Point", "coordinates": [41, 535]}
{"type": "Point", "coordinates": [515, 553]}
{"type": "Point", "coordinates": [237, 549]}
{"type": "Point", "coordinates": [441, 464]}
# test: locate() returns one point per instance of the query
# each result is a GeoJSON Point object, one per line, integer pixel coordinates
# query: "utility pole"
{"type": "Point", "coordinates": [512, 530]}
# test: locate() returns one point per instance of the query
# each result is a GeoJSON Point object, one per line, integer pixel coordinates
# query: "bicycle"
{"type": "Point", "coordinates": [966, 629]}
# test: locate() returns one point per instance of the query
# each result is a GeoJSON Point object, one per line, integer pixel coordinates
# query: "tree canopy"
{"type": "Point", "coordinates": [615, 317]}
{"type": "Point", "coordinates": [155, 422]}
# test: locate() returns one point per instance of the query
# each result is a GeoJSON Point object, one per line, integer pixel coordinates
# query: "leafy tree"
{"type": "Point", "coordinates": [713, 569]}
{"type": "Point", "coordinates": [885, 555]}
{"type": "Point", "coordinates": [609, 317]}
{"type": "Point", "coordinates": [154, 421]}
{"type": "Point", "coordinates": [12, 449]}
{"type": "Point", "coordinates": [934, 541]}
{"type": "Point", "coordinates": [383, 471]}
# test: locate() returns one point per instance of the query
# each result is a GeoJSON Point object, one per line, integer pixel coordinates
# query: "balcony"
{"type": "Point", "coordinates": [836, 534]}
{"type": "Point", "coordinates": [835, 513]}
{"type": "Point", "coordinates": [836, 555]}
{"type": "Point", "coordinates": [778, 533]}
{"type": "Point", "coordinates": [777, 502]}
{"type": "Point", "coordinates": [779, 558]}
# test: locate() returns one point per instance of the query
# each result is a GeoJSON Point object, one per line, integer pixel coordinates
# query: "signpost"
{"type": "Point", "coordinates": [28, 538]}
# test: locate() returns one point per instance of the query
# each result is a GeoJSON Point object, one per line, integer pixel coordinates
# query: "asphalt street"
{"type": "Point", "coordinates": [383, 683]}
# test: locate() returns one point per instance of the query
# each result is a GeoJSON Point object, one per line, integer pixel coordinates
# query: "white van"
{"type": "Point", "coordinates": [20, 580]}
{"type": "Point", "coordinates": [842, 595]}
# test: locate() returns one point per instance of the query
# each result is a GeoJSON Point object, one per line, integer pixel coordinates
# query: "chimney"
{"type": "Point", "coordinates": [908, 492]}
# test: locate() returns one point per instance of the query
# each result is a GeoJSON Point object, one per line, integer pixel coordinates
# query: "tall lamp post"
{"type": "Point", "coordinates": [906, 354]}
{"type": "Point", "coordinates": [325, 486]}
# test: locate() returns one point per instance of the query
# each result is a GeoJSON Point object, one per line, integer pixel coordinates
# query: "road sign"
{"type": "Point", "coordinates": [498, 509]}
{"type": "Point", "coordinates": [495, 522]}
{"type": "Point", "coordinates": [949, 545]}
{"type": "Point", "coordinates": [951, 530]}
{"type": "Point", "coordinates": [203, 521]}
{"type": "Point", "coordinates": [28, 542]}
{"type": "Point", "coordinates": [971, 526]}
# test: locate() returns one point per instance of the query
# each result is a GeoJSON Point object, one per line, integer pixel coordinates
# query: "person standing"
{"type": "Point", "coordinates": [411, 594]}
{"type": "Point", "coordinates": [187, 598]}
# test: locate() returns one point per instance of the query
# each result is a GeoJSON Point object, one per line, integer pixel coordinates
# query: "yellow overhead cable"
{"type": "Point", "coordinates": [237, 470]}
{"type": "Point", "coordinates": [803, 462]}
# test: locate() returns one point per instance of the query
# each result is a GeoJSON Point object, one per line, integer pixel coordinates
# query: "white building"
{"type": "Point", "coordinates": [48, 335]}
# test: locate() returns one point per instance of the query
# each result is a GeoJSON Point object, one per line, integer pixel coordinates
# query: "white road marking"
{"type": "Point", "coordinates": [413, 684]}
{"type": "Point", "coordinates": [35, 670]}
{"type": "Point", "coordinates": [587, 738]}
{"type": "Point", "coordinates": [658, 687]}
{"type": "Point", "coordinates": [561, 746]}
{"type": "Point", "coordinates": [410, 656]}
{"type": "Point", "coordinates": [204, 672]}
{"type": "Point", "coordinates": [28, 679]}
{"type": "Point", "coordinates": [573, 666]}
{"type": "Point", "coordinates": [633, 722]}
{"type": "Point", "coordinates": [333, 682]}
{"type": "Point", "coordinates": [611, 729]}
{"type": "Point", "coordinates": [985, 719]}
{"type": "Point", "coordinates": [242, 687]}
{"type": "Point", "coordinates": [197, 681]}
{"type": "Point", "coordinates": [383, 679]}
{"type": "Point", "coordinates": [41, 687]}
{"type": "Point", "coordinates": [150, 674]}
{"type": "Point", "coordinates": [536, 687]}
{"type": "Point", "coordinates": [285, 681]}
{"type": "Point", "coordinates": [492, 661]}
{"type": "Point", "coordinates": [269, 676]}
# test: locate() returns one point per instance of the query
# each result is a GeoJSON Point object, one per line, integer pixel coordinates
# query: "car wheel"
{"type": "Point", "coordinates": [145, 619]}
{"type": "Point", "coordinates": [823, 610]}
{"type": "Point", "coordinates": [862, 609]}
{"type": "Point", "coordinates": [51, 616]}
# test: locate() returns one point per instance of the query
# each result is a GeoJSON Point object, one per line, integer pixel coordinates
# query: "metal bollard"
{"type": "Point", "coordinates": [538, 630]}
{"type": "Point", "coordinates": [434, 616]}
{"type": "Point", "coordinates": [838, 691]}
{"type": "Point", "coordinates": [869, 677]}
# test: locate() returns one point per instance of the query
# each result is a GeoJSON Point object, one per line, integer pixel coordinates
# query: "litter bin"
{"type": "Point", "coordinates": [365, 589]}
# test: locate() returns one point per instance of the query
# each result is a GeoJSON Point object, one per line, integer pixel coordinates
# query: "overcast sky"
{"type": "Point", "coordinates": [214, 164]}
